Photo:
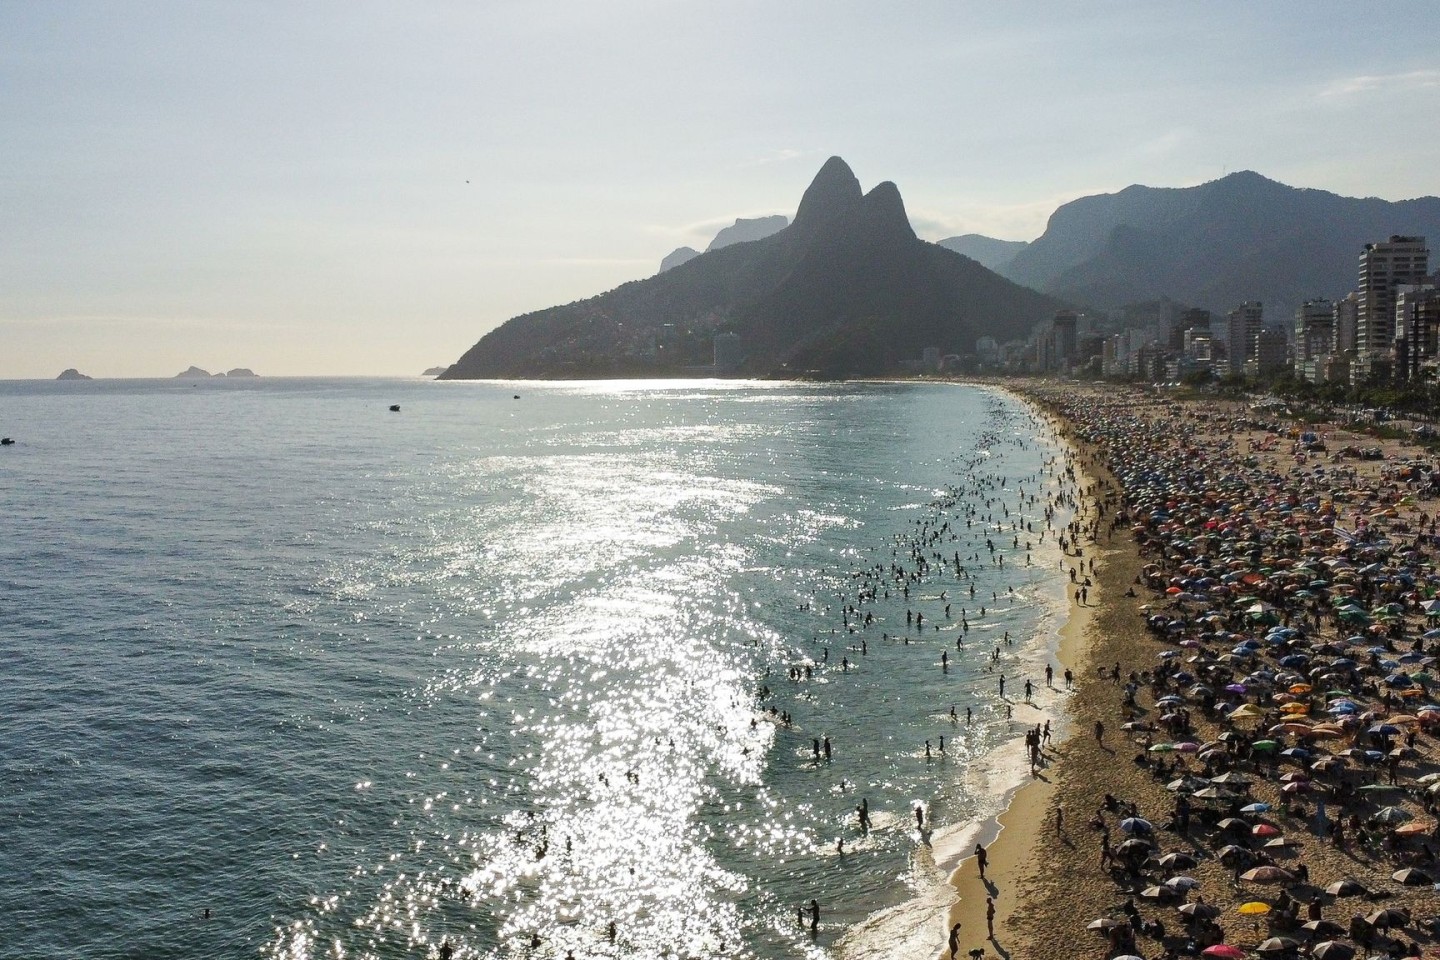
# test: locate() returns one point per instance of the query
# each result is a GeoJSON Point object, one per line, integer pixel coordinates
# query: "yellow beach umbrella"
{"type": "Point", "coordinates": [1254, 908]}
{"type": "Point", "coordinates": [1300, 688]}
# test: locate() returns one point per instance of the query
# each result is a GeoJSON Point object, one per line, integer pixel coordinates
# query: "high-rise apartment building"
{"type": "Point", "coordinates": [1314, 329]}
{"type": "Point", "coordinates": [1383, 267]}
{"type": "Point", "coordinates": [1347, 321]}
{"type": "Point", "coordinates": [1417, 330]}
{"type": "Point", "coordinates": [1314, 337]}
{"type": "Point", "coordinates": [1244, 324]}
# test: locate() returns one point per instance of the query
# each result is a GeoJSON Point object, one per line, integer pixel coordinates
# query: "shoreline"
{"type": "Point", "coordinates": [1011, 836]}
{"type": "Point", "coordinates": [999, 776]}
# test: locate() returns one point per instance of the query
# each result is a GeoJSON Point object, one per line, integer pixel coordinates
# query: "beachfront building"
{"type": "Point", "coordinates": [1270, 354]}
{"type": "Point", "coordinates": [1243, 326]}
{"type": "Point", "coordinates": [1417, 331]}
{"type": "Point", "coordinates": [1196, 320]}
{"type": "Point", "coordinates": [1055, 345]}
{"type": "Point", "coordinates": [1384, 267]}
{"type": "Point", "coordinates": [1347, 321]}
{"type": "Point", "coordinates": [1314, 337]}
{"type": "Point", "coordinates": [1065, 325]}
{"type": "Point", "coordinates": [1198, 345]}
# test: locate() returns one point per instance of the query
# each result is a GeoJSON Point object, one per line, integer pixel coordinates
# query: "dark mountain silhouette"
{"type": "Point", "coordinates": [1242, 237]}
{"type": "Point", "coordinates": [845, 290]}
{"type": "Point", "coordinates": [990, 253]}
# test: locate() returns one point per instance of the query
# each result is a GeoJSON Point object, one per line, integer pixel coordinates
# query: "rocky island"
{"type": "Point", "coordinates": [72, 374]}
{"type": "Point", "coordinates": [196, 373]}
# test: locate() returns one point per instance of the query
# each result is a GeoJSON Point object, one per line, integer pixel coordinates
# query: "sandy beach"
{"type": "Point", "coordinates": [1045, 876]}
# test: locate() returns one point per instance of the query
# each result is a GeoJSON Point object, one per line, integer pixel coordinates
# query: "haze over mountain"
{"type": "Point", "coordinates": [846, 289]}
{"type": "Point", "coordinates": [987, 251]}
{"type": "Point", "coordinates": [1242, 237]}
{"type": "Point", "coordinates": [744, 231]}
{"type": "Point", "coordinates": [741, 231]}
{"type": "Point", "coordinates": [678, 256]}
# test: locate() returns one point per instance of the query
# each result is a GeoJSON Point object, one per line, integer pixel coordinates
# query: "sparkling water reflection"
{"type": "Point", "coordinates": [487, 674]}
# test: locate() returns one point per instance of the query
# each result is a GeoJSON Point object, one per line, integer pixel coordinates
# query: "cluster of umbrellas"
{"type": "Point", "coordinates": [1286, 628]}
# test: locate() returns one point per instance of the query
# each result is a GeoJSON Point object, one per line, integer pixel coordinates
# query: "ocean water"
{"type": "Point", "coordinates": [500, 671]}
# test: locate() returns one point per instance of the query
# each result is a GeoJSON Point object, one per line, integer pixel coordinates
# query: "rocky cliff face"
{"type": "Point", "coordinates": [845, 290]}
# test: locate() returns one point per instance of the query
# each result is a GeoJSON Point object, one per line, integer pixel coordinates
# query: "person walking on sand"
{"type": "Point", "coordinates": [982, 859]}
{"type": "Point", "coordinates": [1100, 733]}
{"type": "Point", "coordinates": [954, 941]}
{"type": "Point", "coordinates": [990, 916]}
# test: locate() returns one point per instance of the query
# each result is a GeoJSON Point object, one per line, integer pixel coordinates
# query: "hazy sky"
{"type": "Point", "coordinates": [357, 187]}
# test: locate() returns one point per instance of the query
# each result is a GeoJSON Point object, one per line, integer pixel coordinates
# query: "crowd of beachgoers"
{"type": "Point", "coordinates": [1270, 716]}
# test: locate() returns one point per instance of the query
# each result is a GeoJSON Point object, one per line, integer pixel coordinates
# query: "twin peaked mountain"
{"type": "Point", "coordinates": [845, 290]}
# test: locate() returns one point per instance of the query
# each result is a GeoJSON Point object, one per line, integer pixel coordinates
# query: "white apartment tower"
{"type": "Point", "coordinates": [1383, 267]}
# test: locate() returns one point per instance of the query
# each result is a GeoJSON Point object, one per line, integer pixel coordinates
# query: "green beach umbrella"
{"type": "Point", "coordinates": [1264, 746]}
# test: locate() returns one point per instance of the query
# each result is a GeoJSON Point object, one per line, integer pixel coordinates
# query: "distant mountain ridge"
{"type": "Point", "coordinates": [741, 231]}
{"type": "Point", "coordinates": [1242, 237]}
{"type": "Point", "coordinates": [744, 231]}
{"type": "Point", "coordinates": [990, 253]}
{"type": "Point", "coordinates": [678, 256]}
{"type": "Point", "coordinates": [844, 290]}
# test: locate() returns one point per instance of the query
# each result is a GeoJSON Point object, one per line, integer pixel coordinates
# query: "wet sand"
{"type": "Point", "coordinates": [1018, 871]}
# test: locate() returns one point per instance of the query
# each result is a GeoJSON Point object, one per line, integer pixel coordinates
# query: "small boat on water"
{"type": "Point", "coordinates": [7, 441]}
{"type": "Point", "coordinates": [394, 408]}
